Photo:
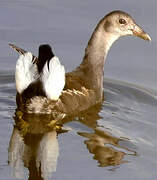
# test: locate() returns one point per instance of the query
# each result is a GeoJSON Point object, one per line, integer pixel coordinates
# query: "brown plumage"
{"type": "Point", "coordinates": [83, 86]}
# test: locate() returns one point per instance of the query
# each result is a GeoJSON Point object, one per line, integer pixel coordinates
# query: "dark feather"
{"type": "Point", "coordinates": [45, 54]}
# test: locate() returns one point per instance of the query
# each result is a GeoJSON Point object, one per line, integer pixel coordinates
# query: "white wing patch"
{"type": "Point", "coordinates": [26, 72]}
{"type": "Point", "coordinates": [53, 79]}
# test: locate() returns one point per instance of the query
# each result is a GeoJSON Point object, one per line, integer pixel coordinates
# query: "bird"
{"type": "Point", "coordinates": [82, 88]}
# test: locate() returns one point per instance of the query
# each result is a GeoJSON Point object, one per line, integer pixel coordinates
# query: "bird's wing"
{"type": "Point", "coordinates": [53, 78]}
{"type": "Point", "coordinates": [26, 72]}
{"type": "Point", "coordinates": [70, 103]}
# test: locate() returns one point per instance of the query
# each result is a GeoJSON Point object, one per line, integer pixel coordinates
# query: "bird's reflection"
{"type": "Point", "coordinates": [34, 143]}
{"type": "Point", "coordinates": [102, 144]}
{"type": "Point", "coordinates": [98, 143]}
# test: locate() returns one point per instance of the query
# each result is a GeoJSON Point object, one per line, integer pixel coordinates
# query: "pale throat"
{"type": "Point", "coordinates": [99, 46]}
{"type": "Point", "coordinates": [95, 56]}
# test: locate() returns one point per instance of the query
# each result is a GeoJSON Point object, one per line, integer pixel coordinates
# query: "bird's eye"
{"type": "Point", "coordinates": [122, 21]}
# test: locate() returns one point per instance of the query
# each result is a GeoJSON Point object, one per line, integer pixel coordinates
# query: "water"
{"type": "Point", "coordinates": [116, 140]}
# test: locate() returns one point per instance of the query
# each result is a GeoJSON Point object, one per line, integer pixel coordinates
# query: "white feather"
{"type": "Point", "coordinates": [53, 79]}
{"type": "Point", "coordinates": [26, 72]}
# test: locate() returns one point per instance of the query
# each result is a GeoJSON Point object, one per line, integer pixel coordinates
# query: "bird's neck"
{"type": "Point", "coordinates": [95, 56]}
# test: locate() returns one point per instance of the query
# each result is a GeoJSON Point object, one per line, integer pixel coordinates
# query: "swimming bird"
{"type": "Point", "coordinates": [83, 86]}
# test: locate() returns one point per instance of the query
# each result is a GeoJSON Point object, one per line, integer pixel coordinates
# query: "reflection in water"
{"type": "Point", "coordinates": [128, 111]}
{"type": "Point", "coordinates": [98, 144]}
{"type": "Point", "coordinates": [34, 143]}
{"type": "Point", "coordinates": [102, 144]}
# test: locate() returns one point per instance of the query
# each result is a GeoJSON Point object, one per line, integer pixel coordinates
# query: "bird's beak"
{"type": "Point", "coordinates": [138, 31]}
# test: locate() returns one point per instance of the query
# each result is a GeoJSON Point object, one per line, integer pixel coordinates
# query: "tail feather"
{"type": "Point", "coordinates": [22, 51]}
{"type": "Point", "coordinates": [26, 72]}
{"type": "Point", "coordinates": [19, 50]}
{"type": "Point", "coordinates": [53, 78]}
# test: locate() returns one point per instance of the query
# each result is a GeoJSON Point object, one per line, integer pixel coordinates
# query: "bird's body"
{"type": "Point", "coordinates": [83, 86]}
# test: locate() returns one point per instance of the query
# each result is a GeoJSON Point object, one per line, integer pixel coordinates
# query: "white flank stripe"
{"type": "Point", "coordinates": [26, 72]}
{"type": "Point", "coordinates": [53, 79]}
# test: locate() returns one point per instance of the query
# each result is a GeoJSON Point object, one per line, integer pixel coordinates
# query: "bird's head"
{"type": "Point", "coordinates": [122, 24]}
